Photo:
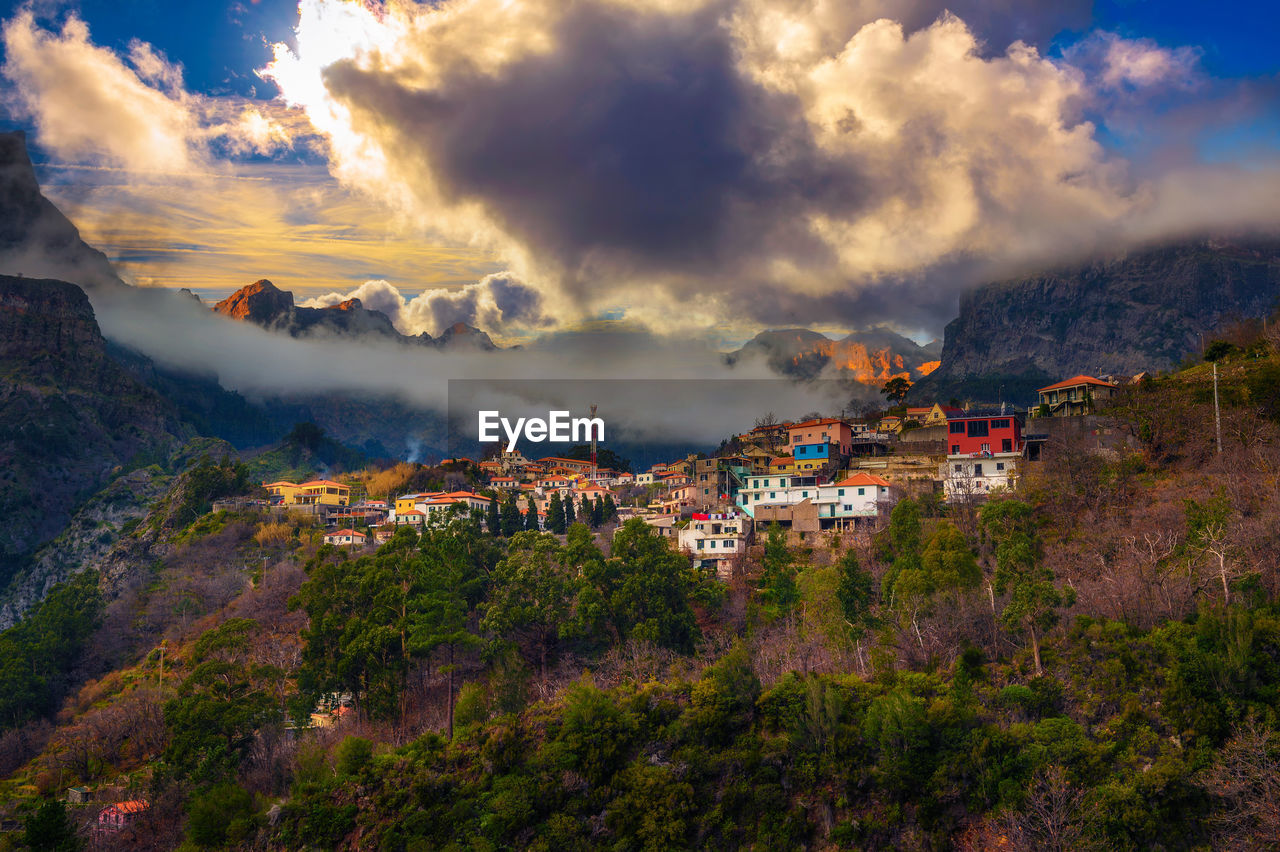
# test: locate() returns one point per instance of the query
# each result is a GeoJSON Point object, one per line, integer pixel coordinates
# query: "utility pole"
{"type": "Point", "coordinates": [1217, 412]}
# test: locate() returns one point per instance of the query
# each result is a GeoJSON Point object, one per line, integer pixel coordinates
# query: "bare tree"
{"type": "Point", "coordinates": [1246, 782]}
{"type": "Point", "coordinates": [1054, 817]}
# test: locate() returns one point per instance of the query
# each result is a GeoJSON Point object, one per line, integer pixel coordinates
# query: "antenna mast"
{"type": "Point", "coordinates": [593, 445]}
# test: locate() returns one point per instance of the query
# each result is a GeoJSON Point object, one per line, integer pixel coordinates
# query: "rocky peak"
{"type": "Point", "coordinates": [461, 334]}
{"type": "Point", "coordinates": [261, 303]}
{"type": "Point", "coordinates": [36, 240]}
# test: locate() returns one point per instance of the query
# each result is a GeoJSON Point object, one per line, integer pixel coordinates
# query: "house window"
{"type": "Point", "coordinates": [700, 543]}
{"type": "Point", "coordinates": [999, 465]}
{"type": "Point", "coordinates": [713, 542]}
{"type": "Point", "coordinates": [1000, 424]}
{"type": "Point", "coordinates": [977, 470]}
{"type": "Point", "coordinates": [1006, 445]}
{"type": "Point", "coordinates": [772, 494]}
{"type": "Point", "coordinates": [986, 448]}
{"type": "Point", "coordinates": [957, 427]}
{"type": "Point", "coordinates": [840, 493]}
{"type": "Point", "coordinates": [955, 449]}
{"type": "Point", "coordinates": [862, 492]}
{"type": "Point", "coordinates": [978, 429]}
{"type": "Point", "coordinates": [957, 468]}
{"type": "Point", "coordinates": [848, 508]}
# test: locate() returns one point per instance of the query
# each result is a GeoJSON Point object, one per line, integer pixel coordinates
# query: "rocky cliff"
{"type": "Point", "coordinates": [870, 357]}
{"type": "Point", "coordinates": [36, 240]}
{"type": "Point", "coordinates": [1145, 310]}
{"type": "Point", "coordinates": [70, 416]}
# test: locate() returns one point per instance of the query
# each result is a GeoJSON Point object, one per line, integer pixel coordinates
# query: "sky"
{"type": "Point", "coordinates": [691, 167]}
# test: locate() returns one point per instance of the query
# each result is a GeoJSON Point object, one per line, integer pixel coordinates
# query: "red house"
{"type": "Point", "coordinates": [983, 432]}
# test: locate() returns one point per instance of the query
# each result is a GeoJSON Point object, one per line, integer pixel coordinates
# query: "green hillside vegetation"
{"type": "Point", "coordinates": [1090, 663]}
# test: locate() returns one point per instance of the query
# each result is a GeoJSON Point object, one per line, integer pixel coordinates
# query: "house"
{"type": "Point", "coordinates": [772, 489]}
{"type": "Point", "coordinates": [437, 505]}
{"type": "Point", "coordinates": [984, 432]}
{"type": "Point", "coordinates": [121, 815]}
{"type": "Point", "coordinates": [931, 415]}
{"type": "Point", "coordinates": [829, 505]}
{"type": "Point", "coordinates": [345, 538]}
{"type": "Point", "coordinates": [824, 441]}
{"type": "Point", "coordinates": [664, 524]}
{"type": "Point", "coordinates": [283, 491]}
{"type": "Point", "coordinates": [851, 500]}
{"type": "Point", "coordinates": [675, 499]}
{"type": "Point", "coordinates": [505, 483]}
{"type": "Point", "coordinates": [713, 540]}
{"type": "Point", "coordinates": [406, 502]}
{"type": "Point", "coordinates": [782, 464]}
{"type": "Point", "coordinates": [1076, 395]}
{"type": "Point", "coordinates": [322, 492]}
{"type": "Point", "coordinates": [411, 518]}
{"type": "Point", "coordinates": [645, 478]}
{"type": "Point", "coordinates": [382, 535]}
{"type": "Point", "coordinates": [672, 478]}
{"type": "Point", "coordinates": [889, 423]}
{"type": "Point", "coordinates": [79, 795]}
{"type": "Point", "coordinates": [555, 463]}
{"type": "Point", "coordinates": [983, 449]}
{"type": "Point", "coordinates": [317, 492]}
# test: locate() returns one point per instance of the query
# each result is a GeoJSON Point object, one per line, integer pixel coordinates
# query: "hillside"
{"type": "Point", "coordinates": [70, 416]}
{"type": "Point", "coordinates": [1089, 663]}
{"type": "Point", "coordinates": [1144, 311]}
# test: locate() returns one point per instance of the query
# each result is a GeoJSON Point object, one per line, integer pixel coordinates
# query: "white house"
{"type": "Point", "coordinates": [965, 477]}
{"type": "Point", "coordinates": [441, 503]}
{"type": "Point", "coordinates": [774, 489]}
{"type": "Point", "coordinates": [345, 538]}
{"type": "Point", "coordinates": [714, 540]}
{"type": "Point", "coordinates": [858, 496]}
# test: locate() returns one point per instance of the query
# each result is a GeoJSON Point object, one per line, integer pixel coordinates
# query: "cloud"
{"type": "Point", "coordinates": [92, 105]}
{"type": "Point", "coordinates": [497, 303]}
{"type": "Point", "coordinates": [89, 103]}
{"type": "Point", "coordinates": [750, 159]}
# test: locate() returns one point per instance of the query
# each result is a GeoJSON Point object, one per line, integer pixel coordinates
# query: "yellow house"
{"type": "Point", "coordinates": [406, 502]}
{"type": "Point", "coordinates": [782, 464]}
{"type": "Point", "coordinates": [284, 489]}
{"type": "Point", "coordinates": [934, 415]}
{"type": "Point", "coordinates": [323, 492]}
{"type": "Point", "coordinates": [316, 492]}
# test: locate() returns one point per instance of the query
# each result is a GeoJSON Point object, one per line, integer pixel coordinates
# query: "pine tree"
{"type": "Point", "coordinates": [597, 512]}
{"type": "Point", "coordinates": [570, 516]}
{"type": "Point", "coordinates": [494, 519]}
{"type": "Point", "coordinates": [610, 508]}
{"type": "Point", "coordinates": [512, 523]}
{"type": "Point", "coordinates": [531, 514]}
{"type": "Point", "coordinates": [555, 515]}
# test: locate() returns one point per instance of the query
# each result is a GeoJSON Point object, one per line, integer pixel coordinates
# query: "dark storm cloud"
{"type": "Point", "coordinates": [636, 142]}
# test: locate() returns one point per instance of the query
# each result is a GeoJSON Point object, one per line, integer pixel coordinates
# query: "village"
{"type": "Point", "coordinates": [819, 475]}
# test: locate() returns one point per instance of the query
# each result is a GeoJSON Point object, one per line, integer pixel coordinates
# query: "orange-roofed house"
{"type": "Point", "coordinates": [439, 504]}
{"type": "Point", "coordinates": [782, 464]}
{"type": "Point", "coordinates": [121, 815]}
{"type": "Point", "coordinates": [1076, 395]}
{"type": "Point", "coordinates": [345, 538]}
